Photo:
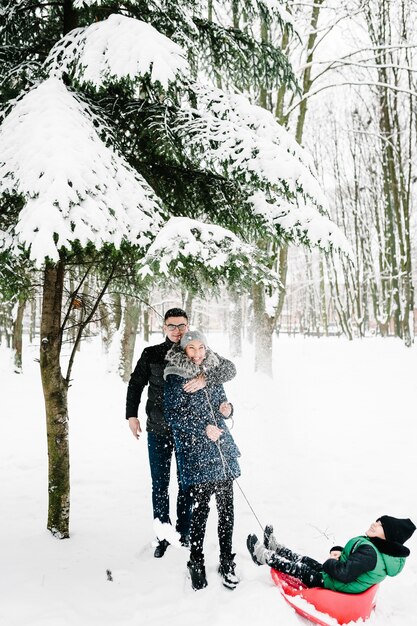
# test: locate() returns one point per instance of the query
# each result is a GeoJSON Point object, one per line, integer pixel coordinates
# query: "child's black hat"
{"type": "Point", "coordinates": [398, 530]}
{"type": "Point", "coordinates": [336, 548]}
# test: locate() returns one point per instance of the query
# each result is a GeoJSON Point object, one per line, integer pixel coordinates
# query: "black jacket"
{"type": "Point", "coordinates": [150, 370]}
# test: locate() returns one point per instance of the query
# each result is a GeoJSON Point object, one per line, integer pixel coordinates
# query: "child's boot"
{"type": "Point", "coordinates": [270, 541]}
{"type": "Point", "coordinates": [258, 552]}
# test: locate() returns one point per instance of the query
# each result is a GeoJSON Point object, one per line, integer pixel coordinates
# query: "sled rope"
{"type": "Point", "coordinates": [225, 463]}
{"type": "Point", "coordinates": [222, 458]}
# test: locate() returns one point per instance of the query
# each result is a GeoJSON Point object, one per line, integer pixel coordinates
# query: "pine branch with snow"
{"type": "Point", "coordinates": [75, 187]}
{"type": "Point", "coordinates": [204, 255]}
{"type": "Point", "coordinates": [243, 142]}
{"type": "Point", "coordinates": [115, 49]}
{"type": "Point", "coordinates": [244, 62]}
{"type": "Point", "coordinates": [233, 151]}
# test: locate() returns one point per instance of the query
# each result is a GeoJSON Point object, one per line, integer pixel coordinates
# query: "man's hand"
{"type": "Point", "coordinates": [195, 384]}
{"type": "Point", "coordinates": [134, 426]}
{"type": "Point", "coordinates": [212, 432]}
{"type": "Point", "coordinates": [225, 409]}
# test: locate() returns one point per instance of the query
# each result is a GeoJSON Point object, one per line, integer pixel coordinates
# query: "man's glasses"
{"type": "Point", "coordinates": [174, 326]}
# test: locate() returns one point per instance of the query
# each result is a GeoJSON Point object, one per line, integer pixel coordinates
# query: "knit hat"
{"type": "Point", "coordinates": [190, 335]}
{"type": "Point", "coordinates": [398, 530]}
{"type": "Point", "coordinates": [336, 548]}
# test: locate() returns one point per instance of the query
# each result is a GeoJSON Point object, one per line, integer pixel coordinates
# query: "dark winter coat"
{"type": "Point", "coordinates": [364, 562]}
{"type": "Point", "coordinates": [150, 370]}
{"type": "Point", "coordinates": [199, 459]}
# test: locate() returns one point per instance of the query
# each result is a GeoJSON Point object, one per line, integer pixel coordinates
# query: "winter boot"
{"type": "Point", "coordinates": [258, 552]}
{"type": "Point", "coordinates": [227, 572]}
{"type": "Point", "coordinates": [269, 538]}
{"type": "Point", "coordinates": [271, 543]}
{"type": "Point", "coordinates": [161, 548]}
{"type": "Point", "coordinates": [197, 574]}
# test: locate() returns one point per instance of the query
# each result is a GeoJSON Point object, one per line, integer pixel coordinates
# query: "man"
{"type": "Point", "coordinates": [150, 370]}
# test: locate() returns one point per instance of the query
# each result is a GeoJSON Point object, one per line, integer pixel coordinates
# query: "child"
{"type": "Point", "coordinates": [363, 562]}
{"type": "Point", "coordinates": [205, 450]}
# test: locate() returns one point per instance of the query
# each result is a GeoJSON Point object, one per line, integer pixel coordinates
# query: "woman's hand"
{"type": "Point", "coordinates": [225, 409]}
{"type": "Point", "coordinates": [195, 384]}
{"type": "Point", "coordinates": [212, 432]}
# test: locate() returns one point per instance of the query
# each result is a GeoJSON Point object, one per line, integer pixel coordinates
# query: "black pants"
{"type": "Point", "coordinates": [201, 494]}
{"type": "Point", "coordinates": [306, 569]}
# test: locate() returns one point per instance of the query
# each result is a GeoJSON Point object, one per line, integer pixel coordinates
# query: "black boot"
{"type": "Point", "coordinates": [161, 548]}
{"type": "Point", "coordinates": [269, 537]}
{"type": "Point", "coordinates": [197, 574]}
{"type": "Point", "coordinates": [258, 552]}
{"type": "Point", "coordinates": [227, 572]}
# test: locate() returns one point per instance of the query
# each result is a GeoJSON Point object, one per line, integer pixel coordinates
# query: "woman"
{"type": "Point", "coordinates": [206, 452]}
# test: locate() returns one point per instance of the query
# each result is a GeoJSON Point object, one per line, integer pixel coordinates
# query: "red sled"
{"type": "Point", "coordinates": [323, 606]}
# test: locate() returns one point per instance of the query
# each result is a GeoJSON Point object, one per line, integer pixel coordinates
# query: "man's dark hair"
{"type": "Point", "coordinates": [175, 313]}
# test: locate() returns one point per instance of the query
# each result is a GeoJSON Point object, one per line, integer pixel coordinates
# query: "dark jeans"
{"type": "Point", "coordinates": [160, 449]}
{"type": "Point", "coordinates": [306, 569]}
{"type": "Point", "coordinates": [201, 495]}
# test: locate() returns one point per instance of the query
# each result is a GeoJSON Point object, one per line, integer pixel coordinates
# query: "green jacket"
{"type": "Point", "coordinates": [357, 553]}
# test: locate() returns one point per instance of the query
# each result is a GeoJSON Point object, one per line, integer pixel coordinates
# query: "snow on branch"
{"type": "Point", "coordinates": [75, 188]}
{"type": "Point", "coordinates": [244, 142]}
{"type": "Point", "coordinates": [276, 9]}
{"type": "Point", "coordinates": [183, 240]}
{"type": "Point", "coordinates": [352, 83]}
{"type": "Point", "coordinates": [302, 222]}
{"type": "Point", "coordinates": [118, 48]}
{"type": "Point", "coordinates": [79, 4]}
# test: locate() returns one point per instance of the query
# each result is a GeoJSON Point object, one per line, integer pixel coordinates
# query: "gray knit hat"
{"type": "Point", "coordinates": [190, 335]}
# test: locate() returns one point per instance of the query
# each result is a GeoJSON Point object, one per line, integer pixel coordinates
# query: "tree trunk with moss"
{"type": "Point", "coordinates": [55, 391]}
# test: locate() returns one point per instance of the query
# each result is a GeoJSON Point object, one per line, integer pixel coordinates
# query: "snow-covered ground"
{"type": "Point", "coordinates": [327, 446]}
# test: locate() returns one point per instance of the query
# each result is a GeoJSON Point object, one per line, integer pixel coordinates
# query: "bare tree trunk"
{"type": "Point", "coordinates": [264, 330]}
{"type": "Point", "coordinates": [341, 310]}
{"type": "Point", "coordinates": [17, 343]}
{"type": "Point", "coordinates": [32, 324]}
{"type": "Point", "coordinates": [146, 326]}
{"type": "Point", "coordinates": [130, 325]}
{"type": "Point", "coordinates": [236, 323]}
{"type": "Point", "coordinates": [307, 72]}
{"type": "Point", "coordinates": [6, 322]}
{"type": "Point", "coordinates": [105, 326]}
{"type": "Point", "coordinates": [188, 304]}
{"type": "Point", "coordinates": [118, 310]}
{"type": "Point", "coordinates": [55, 391]}
{"type": "Point", "coordinates": [70, 16]}
{"type": "Point", "coordinates": [323, 304]}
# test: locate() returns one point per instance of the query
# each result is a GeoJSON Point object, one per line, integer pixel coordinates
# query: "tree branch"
{"type": "Point", "coordinates": [86, 322]}
{"type": "Point", "coordinates": [351, 83]}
